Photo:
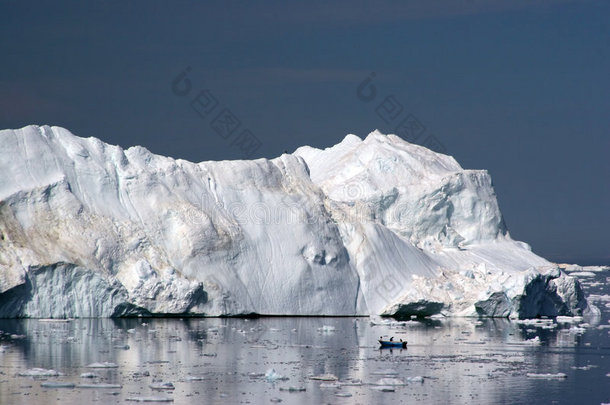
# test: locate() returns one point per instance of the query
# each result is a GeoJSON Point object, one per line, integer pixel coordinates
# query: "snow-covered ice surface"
{"type": "Point", "coordinates": [373, 226]}
{"type": "Point", "coordinates": [289, 360]}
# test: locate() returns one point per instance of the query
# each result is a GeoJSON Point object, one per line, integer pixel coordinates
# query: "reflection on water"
{"type": "Point", "coordinates": [225, 361]}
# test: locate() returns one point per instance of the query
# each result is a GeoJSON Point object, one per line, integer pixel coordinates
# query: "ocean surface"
{"type": "Point", "coordinates": [309, 360]}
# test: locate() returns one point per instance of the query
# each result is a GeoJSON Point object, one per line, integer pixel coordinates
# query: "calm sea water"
{"type": "Point", "coordinates": [209, 361]}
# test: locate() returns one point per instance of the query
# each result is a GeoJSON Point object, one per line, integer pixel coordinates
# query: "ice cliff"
{"type": "Point", "coordinates": [373, 226]}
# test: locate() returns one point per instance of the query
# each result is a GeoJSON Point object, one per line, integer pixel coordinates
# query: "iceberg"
{"type": "Point", "coordinates": [374, 226]}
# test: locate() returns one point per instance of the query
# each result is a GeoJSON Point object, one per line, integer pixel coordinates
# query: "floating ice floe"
{"type": "Point", "coordinates": [383, 388]}
{"type": "Point", "coordinates": [585, 368]}
{"type": "Point", "coordinates": [100, 386]}
{"type": "Point", "coordinates": [104, 364]}
{"type": "Point", "coordinates": [329, 386]}
{"type": "Point", "coordinates": [162, 385]}
{"type": "Point", "coordinates": [57, 320]}
{"type": "Point", "coordinates": [572, 268]}
{"type": "Point", "coordinates": [582, 274]}
{"type": "Point", "coordinates": [254, 374]}
{"type": "Point", "coordinates": [577, 330]}
{"type": "Point", "coordinates": [195, 378]}
{"type": "Point", "coordinates": [351, 383]}
{"type": "Point", "coordinates": [271, 375]}
{"type": "Point", "coordinates": [544, 323]}
{"type": "Point", "coordinates": [293, 389]}
{"type": "Point", "coordinates": [324, 377]}
{"type": "Point", "coordinates": [57, 384]}
{"type": "Point", "coordinates": [39, 372]}
{"type": "Point", "coordinates": [150, 399]}
{"type": "Point", "coordinates": [390, 381]}
{"type": "Point", "coordinates": [548, 376]}
{"type": "Point", "coordinates": [385, 372]}
{"type": "Point", "coordinates": [568, 319]}
{"type": "Point", "coordinates": [533, 341]}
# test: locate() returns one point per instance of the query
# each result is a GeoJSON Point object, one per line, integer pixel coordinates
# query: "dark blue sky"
{"type": "Point", "coordinates": [520, 88]}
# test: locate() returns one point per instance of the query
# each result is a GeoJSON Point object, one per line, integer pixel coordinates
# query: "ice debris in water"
{"type": "Point", "coordinates": [57, 384]}
{"type": "Point", "coordinates": [293, 389]}
{"type": "Point", "coordinates": [254, 374]}
{"type": "Point", "coordinates": [104, 364]}
{"type": "Point", "coordinates": [327, 385]}
{"type": "Point", "coordinates": [582, 274]}
{"type": "Point", "coordinates": [568, 319]}
{"type": "Point", "coordinates": [351, 383]}
{"type": "Point", "coordinates": [195, 378]}
{"type": "Point", "coordinates": [100, 386]}
{"type": "Point", "coordinates": [384, 388]}
{"type": "Point", "coordinates": [271, 375]}
{"type": "Point", "coordinates": [385, 372]}
{"type": "Point", "coordinates": [39, 372]}
{"type": "Point", "coordinates": [326, 329]}
{"type": "Point", "coordinates": [162, 385]}
{"type": "Point", "coordinates": [390, 381]}
{"type": "Point", "coordinates": [150, 399]}
{"type": "Point", "coordinates": [324, 377]}
{"type": "Point", "coordinates": [548, 376]}
{"type": "Point", "coordinates": [89, 375]}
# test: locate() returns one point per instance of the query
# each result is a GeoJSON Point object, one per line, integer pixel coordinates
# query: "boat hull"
{"type": "Point", "coordinates": [388, 344]}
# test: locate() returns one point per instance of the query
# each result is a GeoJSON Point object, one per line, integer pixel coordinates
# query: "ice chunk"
{"type": "Point", "coordinates": [271, 375]}
{"type": "Point", "coordinates": [100, 386]}
{"type": "Point", "coordinates": [162, 385]}
{"type": "Point", "coordinates": [384, 388]}
{"type": "Point", "coordinates": [568, 319]}
{"type": "Point", "coordinates": [293, 389]}
{"type": "Point", "coordinates": [388, 372]}
{"type": "Point", "coordinates": [195, 378]}
{"type": "Point", "coordinates": [39, 372]}
{"type": "Point", "coordinates": [89, 375]}
{"type": "Point", "coordinates": [548, 376]}
{"type": "Point", "coordinates": [582, 274]}
{"type": "Point", "coordinates": [533, 341]}
{"type": "Point", "coordinates": [150, 399]}
{"type": "Point", "coordinates": [104, 364]}
{"type": "Point", "coordinates": [351, 383]}
{"type": "Point", "coordinates": [57, 384]}
{"type": "Point", "coordinates": [390, 381]}
{"type": "Point", "coordinates": [324, 377]}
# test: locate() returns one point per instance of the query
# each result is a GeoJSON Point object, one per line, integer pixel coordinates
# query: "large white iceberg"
{"type": "Point", "coordinates": [374, 226]}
